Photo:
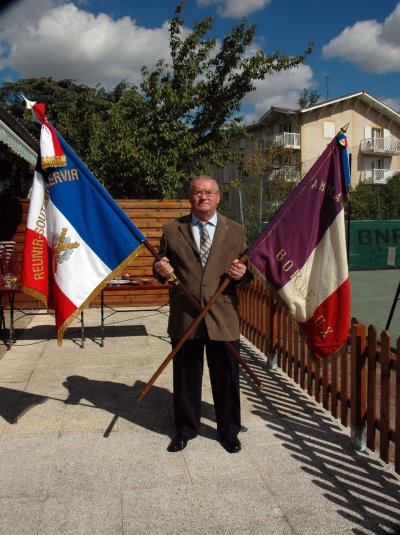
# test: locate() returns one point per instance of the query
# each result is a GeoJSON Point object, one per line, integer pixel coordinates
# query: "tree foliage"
{"type": "Point", "coordinates": [273, 174]}
{"type": "Point", "coordinates": [308, 98]}
{"type": "Point", "coordinates": [376, 202]}
{"type": "Point", "coordinates": [149, 141]}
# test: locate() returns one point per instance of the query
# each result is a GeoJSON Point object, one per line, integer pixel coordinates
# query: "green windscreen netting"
{"type": "Point", "coordinates": [374, 262]}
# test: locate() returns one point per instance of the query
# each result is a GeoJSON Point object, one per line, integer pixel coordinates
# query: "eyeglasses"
{"type": "Point", "coordinates": [205, 193]}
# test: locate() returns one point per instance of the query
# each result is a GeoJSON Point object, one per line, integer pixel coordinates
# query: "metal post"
{"type": "Point", "coordinates": [241, 207]}
{"type": "Point", "coordinates": [396, 298]}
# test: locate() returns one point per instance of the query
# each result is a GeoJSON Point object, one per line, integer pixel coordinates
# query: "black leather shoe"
{"type": "Point", "coordinates": [178, 443]}
{"type": "Point", "coordinates": [232, 445]}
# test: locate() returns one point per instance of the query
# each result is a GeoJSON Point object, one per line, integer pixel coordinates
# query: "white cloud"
{"type": "Point", "coordinates": [372, 46]}
{"type": "Point", "coordinates": [393, 103]}
{"type": "Point", "coordinates": [279, 89]}
{"type": "Point", "coordinates": [236, 8]}
{"type": "Point", "coordinates": [23, 10]}
{"type": "Point", "coordinates": [390, 33]}
{"type": "Point", "coordinates": [62, 41]}
{"type": "Point", "coordinates": [66, 42]}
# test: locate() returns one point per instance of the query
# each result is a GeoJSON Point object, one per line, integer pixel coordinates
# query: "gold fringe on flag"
{"type": "Point", "coordinates": [35, 294]}
{"type": "Point", "coordinates": [53, 161]}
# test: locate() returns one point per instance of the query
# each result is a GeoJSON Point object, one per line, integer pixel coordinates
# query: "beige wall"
{"type": "Point", "coordinates": [360, 116]}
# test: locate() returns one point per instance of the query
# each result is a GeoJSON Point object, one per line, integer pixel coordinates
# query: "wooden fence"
{"type": "Point", "coordinates": [148, 215]}
{"type": "Point", "coordinates": [361, 386]}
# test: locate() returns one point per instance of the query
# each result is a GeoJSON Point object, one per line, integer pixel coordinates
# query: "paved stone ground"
{"type": "Point", "coordinates": [79, 454]}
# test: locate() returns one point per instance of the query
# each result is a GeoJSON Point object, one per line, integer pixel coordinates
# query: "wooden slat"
{"type": "Point", "coordinates": [325, 385]}
{"type": "Point", "coordinates": [296, 357]}
{"type": "Point", "coordinates": [302, 363]}
{"type": "Point", "coordinates": [344, 386]}
{"type": "Point", "coordinates": [334, 388]}
{"type": "Point", "coordinates": [289, 347]}
{"type": "Point", "coordinates": [397, 415]}
{"type": "Point", "coordinates": [371, 387]}
{"type": "Point", "coordinates": [317, 384]}
{"type": "Point", "coordinates": [358, 375]}
{"type": "Point", "coordinates": [384, 421]}
{"type": "Point", "coordinates": [310, 375]}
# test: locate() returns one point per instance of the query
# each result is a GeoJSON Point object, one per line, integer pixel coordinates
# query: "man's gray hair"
{"type": "Point", "coordinates": [203, 177]}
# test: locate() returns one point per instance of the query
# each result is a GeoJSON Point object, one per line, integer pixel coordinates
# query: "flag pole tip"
{"type": "Point", "coordinates": [29, 103]}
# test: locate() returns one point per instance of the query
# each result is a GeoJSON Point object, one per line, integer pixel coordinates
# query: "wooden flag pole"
{"type": "Point", "coordinates": [186, 334]}
{"type": "Point", "coordinates": [192, 328]}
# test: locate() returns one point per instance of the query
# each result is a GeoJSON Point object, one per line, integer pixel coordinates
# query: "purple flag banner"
{"type": "Point", "coordinates": [302, 253]}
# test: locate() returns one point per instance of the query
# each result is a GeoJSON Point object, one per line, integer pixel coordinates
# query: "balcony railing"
{"type": "Point", "coordinates": [381, 145]}
{"type": "Point", "coordinates": [287, 140]}
{"type": "Point", "coordinates": [377, 176]}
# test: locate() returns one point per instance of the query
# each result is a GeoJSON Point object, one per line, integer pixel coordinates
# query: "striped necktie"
{"type": "Point", "coordinates": [205, 242]}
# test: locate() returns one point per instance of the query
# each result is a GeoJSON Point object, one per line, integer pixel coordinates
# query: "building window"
{"type": "Point", "coordinates": [285, 127]}
{"type": "Point", "coordinates": [377, 133]}
{"type": "Point", "coordinates": [329, 129]}
{"type": "Point", "coordinates": [242, 143]}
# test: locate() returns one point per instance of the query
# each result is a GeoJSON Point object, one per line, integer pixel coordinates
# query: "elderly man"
{"type": "Point", "coordinates": [201, 249]}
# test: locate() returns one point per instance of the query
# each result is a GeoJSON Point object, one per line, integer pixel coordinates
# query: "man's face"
{"type": "Point", "coordinates": [204, 199]}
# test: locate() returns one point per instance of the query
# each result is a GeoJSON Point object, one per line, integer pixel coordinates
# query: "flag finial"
{"type": "Point", "coordinates": [51, 152]}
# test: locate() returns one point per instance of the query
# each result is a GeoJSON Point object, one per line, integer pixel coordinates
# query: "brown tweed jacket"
{"type": "Point", "coordinates": [178, 244]}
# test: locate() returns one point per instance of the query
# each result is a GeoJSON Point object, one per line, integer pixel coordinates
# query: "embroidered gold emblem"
{"type": "Point", "coordinates": [63, 248]}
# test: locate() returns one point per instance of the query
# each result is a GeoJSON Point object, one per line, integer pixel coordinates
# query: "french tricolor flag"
{"type": "Point", "coordinates": [302, 252]}
{"type": "Point", "coordinates": [77, 237]}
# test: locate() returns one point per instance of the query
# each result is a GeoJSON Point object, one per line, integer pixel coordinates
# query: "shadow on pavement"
{"type": "Point", "coordinates": [15, 403]}
{"type": "Point", "coordinates": [154, 412]}
{"type": "Point", "coordinates": [355, 482]}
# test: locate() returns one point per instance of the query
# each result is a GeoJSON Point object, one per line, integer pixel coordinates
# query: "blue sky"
{"type": "Point", "coordinates": [357, 43]}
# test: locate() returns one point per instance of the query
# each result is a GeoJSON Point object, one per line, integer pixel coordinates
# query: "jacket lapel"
{"type": "Point", "coordinates": [185, 228]}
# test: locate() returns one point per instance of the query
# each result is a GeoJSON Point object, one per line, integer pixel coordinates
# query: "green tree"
{"type": "Point", "coordinates": [390, 197]}
{"type": "Point", "coordinates": [272, 173]}
{"type": "Point", "coordinates": [66, 101]}
{"type": "Point", "coordinates": [375, 202]}
{"type": "Point", "coordinates": [308, 98]}
{"type": "Point", "coordinates": [363, 203]}
{"type": "Point", "coordinates": [200, 96]}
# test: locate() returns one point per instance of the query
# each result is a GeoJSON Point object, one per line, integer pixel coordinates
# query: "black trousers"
{"type": "Point", "coordinates": [188, 367]}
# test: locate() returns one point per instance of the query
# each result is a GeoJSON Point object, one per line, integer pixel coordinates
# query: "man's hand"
{"type": "Point", "coordinates": [237, 270]}
{"type": "Point", "coordinates": [163, 267]}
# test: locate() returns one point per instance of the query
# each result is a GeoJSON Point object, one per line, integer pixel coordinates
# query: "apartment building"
{"type": "Point", "coordinates": [373, 132]}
